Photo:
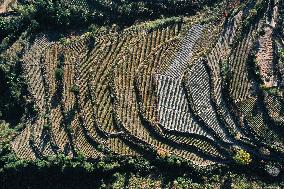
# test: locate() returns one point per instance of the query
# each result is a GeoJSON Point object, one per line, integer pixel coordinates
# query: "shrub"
{"type": "Point", "coordinates": [182, 183]}
{"type": "Point", "coordinates": [242, 157]}
{"type": "Point", "coordinates": [46, 126]}
{"type": "Point", "coordinates": [13, 91]}
{"type": "Point", "coordinates": [162, 153]}
{"type": "Point", "coordinates": [272, 170]}
{"type": "Point", "coordinates": [88, 167]}
{"type": "Point", "coordinates": [281, 56]}
{"type": "Point", "coordinates": [75, 89]}
{"type": "Point", "coordinates": [262, 32]}
{"type": "Point", "coordinates": [59, 73]}
{"type": "Point", "coordinates": [69, 129]}
{"type": "Point", "coordinates": [64, 41]}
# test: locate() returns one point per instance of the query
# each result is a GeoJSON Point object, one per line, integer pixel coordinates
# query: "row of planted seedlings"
{"type": "Point", "coordinates": [138, 90]}
{"type": "Point", "coordinates": [32, 71]}
{"type": "Point", "coordinates": [41, 136]}
{"type": "Point", "coordinates": [172, 102]}
{"type": "Point", "coordinates": [104, 95]}
{"type": "Point", "coordinates": [63, 76]}
{"type": "Point", "coordinates": [139, 136]}
{"type": "Point", "coordinates": [240, 78]}
{"type": "Point", "coordinates": [166, 137]}
{"type": "Point", "coordinates": [85, 101]}
{"type": "Point", "coordinates": [31, 59]}
{"type": "Point", "coordinates": [217, 67]}
{"type": "Point", "coordinates": [101, 83]}
{"type": "Point", "coordinates": [200, 92]}
{"type": "Point", "coordinates": [159, 78]}
{"type": "Point", "coordinates": [215, 131]}
{"type": "Point", "coordinates": [254, 115]}
{"type": "Point", "coordinates": [21, 145]}
{"type": "Point", "coordinates": [218, 52]}
{"type": "Point", "coordinates": [271, 126]}
{"type": "Point", "coordinates": [234, 151]}
{"type": "Point", "coordinates": [178, 44]}
{"type": "Point", "coordinates": [246, 29]}
{"type": "Point", "coordinates": [55, 75]}
{"type": "Point", "coordinates": [83, 138]}
{"type": "Point", "coordinates": [216, 138]}
{"type": "Point", "coordinates": [123, 103]}
{"type": "Point", "coordinates": [62, 101]}
{"type": "Point", "coordinates": [146, 78]}
{"type": "Point", "coordinates": [239, 85]}
{"type": "Point", "coordinates": [47, 127]}
{"type": "Point", "coordinates": [232, 133]}
{"type": "Point", "coordinates": [225, 75]}
{"type": "Point", "coordinates": [112, 134]}
{"type": "Point", "coordinates": [127, 71]}
{"type": "Point", "coordinates": [239, 136]}
{"type": "Point", "coordinates": [67, 114]}
{"type": "Point", "coordinates": [37, 123]}
{"type": "Point", "coordinates": [182, 138]}
{"type": "Point", "coordinates": [185, 51]}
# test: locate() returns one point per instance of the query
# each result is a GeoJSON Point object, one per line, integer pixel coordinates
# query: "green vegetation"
{"type": "Point", "coordinates": [75, 89]}
{"type": "Point", "coordinates": [59, 73]}
{"type": "Point", "coordinates": [61, 15]}
{"type": "Point", "coordinates": [46, 127]}
{"type": "Point", "coordinates": [13, 91]}
{"type": "Point", "coordinates": [242, 157]}
{"type": "Point", "coordinates": [250, 19]}
{"type": "Point", "coordinates": [281, 56]}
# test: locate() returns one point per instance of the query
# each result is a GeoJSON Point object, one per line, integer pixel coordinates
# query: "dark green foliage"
{"type": "Point", "coordinates": [254, 15]}
{"type": "Point", "coordinates": [75, 89]}
{"type": "Point", "coordinates": [10, 30]}
{"type": "Point", "coordinates": [281, 56]}
{"type": "Point", "coordinates": [13, 91]}
{"type": "Point", "coordinates": [46, 127]}
{"type": "Point", "coordinates": [242, 157]}
{"type": "Point", "coordinates": [60, 15]}
{"type": "Point", "coordinates": [64, 15]}
{"type": "Point", "coordinates": [262, 32]}
{"type": "Point", "coordinates": [59, 73]}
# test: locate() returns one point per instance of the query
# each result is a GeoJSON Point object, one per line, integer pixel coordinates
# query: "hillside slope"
{"type": "Point", "coordinates": [206, 89]}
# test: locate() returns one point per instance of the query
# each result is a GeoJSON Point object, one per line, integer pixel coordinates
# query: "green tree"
{"type": "Point", "coordinates": [242, 157]}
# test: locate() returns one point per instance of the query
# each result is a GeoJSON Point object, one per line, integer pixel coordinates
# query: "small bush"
{"type": "Point", "coordinates": [46, 126]}
{"type": "Point", "coordinates": [163, 154]}
{"type": "Point", "coordinates": [262, 32]}
{"type": "Point", "coordinates": [242, 157]}
{"type": "Point", "coordinates": [59, 73]}
{"type": "Point", "coordinates": [75, 89]}
{"type": "Point", "coordinates": [281, 56]}
{"type": "Point", "coordinates": [182, 183]}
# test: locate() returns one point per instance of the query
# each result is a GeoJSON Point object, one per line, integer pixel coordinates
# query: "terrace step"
{"type": "Point", "coordinates": [173, 108]}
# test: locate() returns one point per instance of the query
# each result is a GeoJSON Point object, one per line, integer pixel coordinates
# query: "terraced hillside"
{"type": "Point", "coordinates": [200, 88]}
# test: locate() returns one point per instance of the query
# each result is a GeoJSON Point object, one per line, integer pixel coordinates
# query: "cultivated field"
{"type": "Point", "coordinates": [177, 86]}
